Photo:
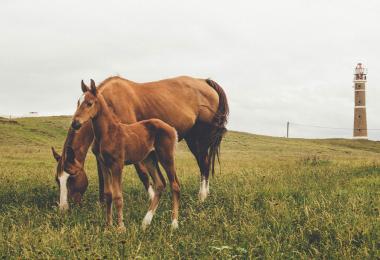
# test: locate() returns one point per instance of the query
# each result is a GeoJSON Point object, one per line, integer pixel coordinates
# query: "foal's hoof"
{"type": "Point", "coordinates": [121, 229]}
{"type": "Point", "coordinates": [147, 220]}
{"type": "Point", "coordinates": [174, 224]}
{"type": "Point", "coordinates": [145, 224]}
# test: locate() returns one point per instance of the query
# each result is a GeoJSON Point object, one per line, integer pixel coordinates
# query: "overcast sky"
{"type": "Point", "coordinates": [278, 61]}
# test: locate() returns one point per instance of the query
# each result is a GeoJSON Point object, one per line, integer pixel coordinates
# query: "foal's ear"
{"type": "Point", "coordinates": [70, 155]}
{"type": "Point", "coordinates": [84, 87]}
{"type": "Point", "coordinates": [56, 156]}
{"type": "Point", "coordinates": [93, 87]}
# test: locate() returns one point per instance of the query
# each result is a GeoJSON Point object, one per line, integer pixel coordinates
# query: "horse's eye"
{"type": "Point", "coordinates": [89, 104]}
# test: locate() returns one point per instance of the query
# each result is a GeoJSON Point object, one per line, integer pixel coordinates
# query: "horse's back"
{"type": "Point", "coordinates": [179, 101]}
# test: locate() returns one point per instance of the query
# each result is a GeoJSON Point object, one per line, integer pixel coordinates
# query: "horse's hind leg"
{"type": "Point", "coordinates": [152, 167]}
{"type": "Point", "coordinates": [199, 148]}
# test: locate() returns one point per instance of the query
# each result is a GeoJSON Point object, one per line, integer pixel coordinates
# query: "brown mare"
{"type": "Point", "coordinates": [196, 108]}
{"type": "Point", "coordinates": [122, 144]}
{"type": "Point", "coordinates": [70, 175]}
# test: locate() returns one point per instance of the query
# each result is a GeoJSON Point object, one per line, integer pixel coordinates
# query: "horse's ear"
{"type": "Point", "coordinates": [93, 87]}
{"type": "Point", "coordinates": [70, 155]}
{"type": "Point", "coordinates": [84, 87]}
{"type": "Point", "coordinates": [56, 156]}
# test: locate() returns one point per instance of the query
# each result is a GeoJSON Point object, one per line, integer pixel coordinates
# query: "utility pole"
{"type": "Point", "coordinates": [287, 129]}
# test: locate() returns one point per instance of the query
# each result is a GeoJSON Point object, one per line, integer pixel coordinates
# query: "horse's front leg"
{"type": "Point", "coordinates": [96, 152]}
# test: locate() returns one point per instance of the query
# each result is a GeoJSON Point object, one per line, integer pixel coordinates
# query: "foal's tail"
{"type": "Point", "coordinates": [219, 124]}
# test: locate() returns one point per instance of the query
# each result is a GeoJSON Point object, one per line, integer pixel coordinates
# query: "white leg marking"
{"type": "Point", "coordinates": [203, 190]}
{"type": "Point", "coordinates": [151, 192]}
{"type": "Point", "coordinates": [147, 219]}
{"type": "Point", "coordinates": [174, 224]}
{"type": "Point", "coordinates": [63, 205]}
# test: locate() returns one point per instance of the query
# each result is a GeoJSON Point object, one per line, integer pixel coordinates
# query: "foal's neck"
{"type": "Point", "coordinates": [104, 119]}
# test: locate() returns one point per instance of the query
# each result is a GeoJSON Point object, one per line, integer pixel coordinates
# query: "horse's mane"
{"type": "Point", "coordinates": [102, 85]}
{"type": "Point", "coordinates": [68, 142]}
{"type": "Point", "coordinates": [104, 82]}
{"type": "Point", "coordinates": [107, 80]}
{"type": "Point", "coordinates": [112, 112]}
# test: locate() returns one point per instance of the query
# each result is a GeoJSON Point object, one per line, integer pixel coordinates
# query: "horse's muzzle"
{"type": "Point", "coordinates": [76, 124]}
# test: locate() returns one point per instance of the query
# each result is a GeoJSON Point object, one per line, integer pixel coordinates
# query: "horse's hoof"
{"type": "Point", "coordinates": [174, 224]}
{"type": "Point", "coordinates": [202, 196]}
{"type": "Point", "coordinates": [63, 208]}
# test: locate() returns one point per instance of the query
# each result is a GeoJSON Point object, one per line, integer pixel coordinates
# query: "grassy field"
{"type": "Point", "coordinates": [274, 198]}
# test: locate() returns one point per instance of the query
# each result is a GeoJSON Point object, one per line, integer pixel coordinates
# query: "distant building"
{"type": "Point", "coordinates": [360, 115]}
{"type": "Point", "coordinates": [33, 114]}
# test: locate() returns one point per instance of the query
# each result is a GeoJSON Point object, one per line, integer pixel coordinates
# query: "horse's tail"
{"type": "Point", "coordinates": [219, 124]}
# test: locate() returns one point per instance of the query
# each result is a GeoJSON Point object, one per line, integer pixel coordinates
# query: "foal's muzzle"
{"type": "Point", "coordinates": [76, 124]}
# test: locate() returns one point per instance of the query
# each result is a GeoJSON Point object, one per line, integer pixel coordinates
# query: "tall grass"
{"type": "Point", "coordinates": [274, 198]}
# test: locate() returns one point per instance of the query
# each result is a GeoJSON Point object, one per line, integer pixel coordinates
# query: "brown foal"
{"type": "Point", "coordinates": [122, 144]}
{"type": "Point", "coordinates": [70, 175]}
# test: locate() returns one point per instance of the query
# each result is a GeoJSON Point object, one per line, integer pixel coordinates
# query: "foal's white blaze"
{"type": "Point", "coordinates": [147, 219]}
{"type": "Point", "coordinates": [63, 205]}
{"type": "Point", "coordinates": [151, 192]}
{"type": "Point", "coordinates": [203, 190]}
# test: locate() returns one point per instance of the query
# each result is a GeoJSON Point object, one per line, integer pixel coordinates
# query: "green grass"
{"type": "Point", "coordinates": [274, 198]}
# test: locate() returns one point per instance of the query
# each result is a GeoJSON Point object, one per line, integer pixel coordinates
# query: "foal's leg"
{"type": "Point", "coordinates": [151, 164]}
{"type": "Point", "coordinates": [165, 152]}
{"type": "Point", "coordinates": [107, 193]}
{"type": "Point", "coordinates": [101, 181]}
{"type": "Point", "coordinates": [151, 167]}
{"type": "Point", "coordinates": [117, 193]}
{"type": "Point", "coordinates": [144, 178]}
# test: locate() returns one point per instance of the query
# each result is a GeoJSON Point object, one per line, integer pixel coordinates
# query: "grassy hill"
{"type": "Point", "coordinates": [274, 198]}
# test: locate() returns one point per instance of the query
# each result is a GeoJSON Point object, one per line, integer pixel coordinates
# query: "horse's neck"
{"type": "Point", "coordinates": [81, 142]}
{"type": "Point", "coordinates": [104, 120]}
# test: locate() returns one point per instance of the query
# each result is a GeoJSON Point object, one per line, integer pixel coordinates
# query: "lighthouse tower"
{"type": "Point", "coordinates": [360, 117]}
